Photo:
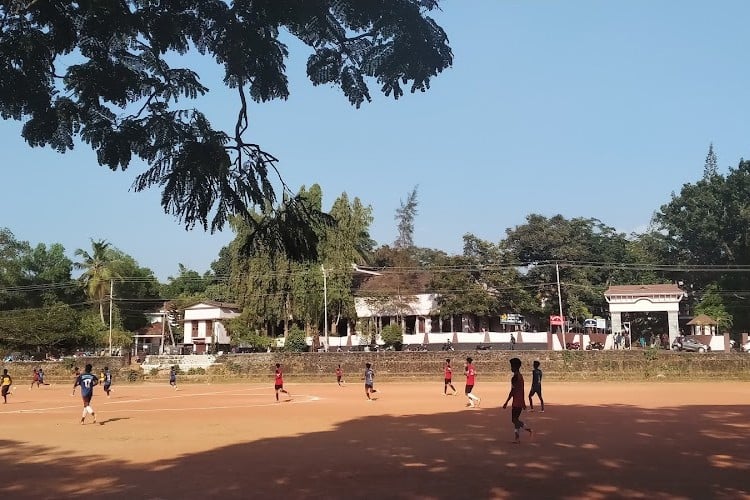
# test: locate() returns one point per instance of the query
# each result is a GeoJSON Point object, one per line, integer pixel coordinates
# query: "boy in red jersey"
{"type": "Point", "coordinates": [340, 376]}
{"type": "Point", "coordinates": [470, 379]}
{"type": "Point", "coordinates": [448, 377]}
{"type": "Point", "coordinates": [279, 383]}
{"type": "Point", "coordinates": [519, 403]}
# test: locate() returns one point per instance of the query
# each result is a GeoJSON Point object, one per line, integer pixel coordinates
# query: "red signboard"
{"type": "Point", "coordinates": [557, 320]}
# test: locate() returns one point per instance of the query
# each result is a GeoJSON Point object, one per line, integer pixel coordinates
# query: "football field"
{"type": "Point", "coordinates": [595, 440]}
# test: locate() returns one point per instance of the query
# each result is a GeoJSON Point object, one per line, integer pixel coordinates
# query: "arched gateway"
{"type": "Point", "coordinates": [645, 298]}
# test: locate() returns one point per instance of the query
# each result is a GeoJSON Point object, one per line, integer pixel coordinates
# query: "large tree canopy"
{"type": "Point", "coordinates": [100, 71]}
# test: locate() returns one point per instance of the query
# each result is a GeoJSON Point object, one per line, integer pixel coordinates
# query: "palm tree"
{"type": "Point", "coordinates": [98, 272]}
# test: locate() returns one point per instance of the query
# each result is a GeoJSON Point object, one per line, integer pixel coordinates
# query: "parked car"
{"type": "Point", "coordinates": [689, 344]}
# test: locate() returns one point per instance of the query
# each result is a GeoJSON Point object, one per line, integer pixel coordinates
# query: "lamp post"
{"type": "Point", "coordinates": [325, 304]}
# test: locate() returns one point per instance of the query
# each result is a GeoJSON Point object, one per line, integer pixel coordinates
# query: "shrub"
{"type": "Point", "coordinates": [392, 336]}
{"type": "Point", "coordinates": [134, 376]}
{"type": "Point", "coordinates": [196, 371]}
{"type": "Point", "coordinates": [154, 372]}
{"type": "Point", "coordinates": [295, 341]}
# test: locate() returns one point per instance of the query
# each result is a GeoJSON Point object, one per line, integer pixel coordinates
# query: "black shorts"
{"type": "Point", "coordinates": [5, 390]}
{"type": "Point", "coordinates": [86, 400]}
{"type": "Point", "coordinates": [278, 387]}
{"type": "Point", "coordinates": [468, 388]}
{"type": "Point", "coordinates": [107, 386]}
{"type": "Point", "coordinates": [338, 378]}
{"type": "Point", "coordinates": [536, 390]}
{"type": "Point", "coordinates": [449, 381]}
{"type": "Point", "coordinates": [515, 414]}
{"type": "Point", "coordinates": [368, 386]}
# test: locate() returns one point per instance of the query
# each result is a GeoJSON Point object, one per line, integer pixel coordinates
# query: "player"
{"type": "Point", "coordinates": [35, 379]}
{"type": "Point", "coordinates": [536, 386]}
{"type": "Point", "coordinates": [41, 377]}
{"type": "Point", "coordinates": [5, 382]}
{"type": "Point", "coordinates": [340, 376]}
{"type": "Point", "coordinates": [279, 384]}
{"type": "Point", "coordinates": [87, 381]}
{"type": "Point", "coordinates": [519, 404]}
{"type": "Point", "coordinates": [173, 377]}
{"type": "Point", "coordinates": [471, 374]}
{"type": "Point", "coordinates": [448, 377]}
{"type": "Point", "coordinates": [369, 381]}
{"type": "Point", "coordinates": [107, 378]}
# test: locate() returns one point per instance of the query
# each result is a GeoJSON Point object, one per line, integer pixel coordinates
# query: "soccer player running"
{"type": "Point", "coordinates": [369, 381]}
{"type": "Point", "coordinates": [35, 379]}
{"type": "Point", "coordinates": [86, 381]}
{"type": "Point", "coordinates": [5, 382]}
{"type": "Point", "coordinates": [471, 374]}
{"type": "Point", "coordinates": [448, 377]}
{"type": "Point", "coordinates": [279, 384]}
{"type": "Point", "coordinates": [536, 386]}
{"type": "Point", "coordinates": [519, 403]}
{"type": "Point", "coordinates": [173, 378]}
{"type": "Point", "coordinates": [107, 376]}
{"type": "Point", "coordinates": [340, 376]}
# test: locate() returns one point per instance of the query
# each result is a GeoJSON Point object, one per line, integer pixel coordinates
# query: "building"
{"type": "Point", "coordinates": [204, 330]}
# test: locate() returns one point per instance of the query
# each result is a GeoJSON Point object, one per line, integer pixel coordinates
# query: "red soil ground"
{"type": "Point", "coordinates": [596, 440]}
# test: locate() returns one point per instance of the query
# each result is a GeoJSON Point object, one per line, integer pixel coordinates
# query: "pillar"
{"type": "Point", "coordinates": [674, 326]}
{"type": "Point", "coordinates": [616, 318]}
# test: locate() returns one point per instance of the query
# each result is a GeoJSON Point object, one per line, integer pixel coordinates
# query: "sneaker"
{"type": "Point", "coordinates": [478, 401]}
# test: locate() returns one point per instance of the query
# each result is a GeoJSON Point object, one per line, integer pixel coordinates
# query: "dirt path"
{"type": "Point", "coordinates": [600, 440]}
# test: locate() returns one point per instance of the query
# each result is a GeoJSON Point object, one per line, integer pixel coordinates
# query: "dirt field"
{"type": "Point", "coordinates": [597, 440]}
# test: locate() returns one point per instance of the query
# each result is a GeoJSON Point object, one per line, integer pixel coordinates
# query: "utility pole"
{"type": "Point", "coordinates": [559, 303]}
{"type": "Point", "coordinates": [325, 304]}
{"type": "Point", "coordinates": [111, 296]}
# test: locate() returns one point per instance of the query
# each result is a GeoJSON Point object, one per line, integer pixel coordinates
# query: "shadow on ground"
{"type": "Point", "coordinates": [578, 452]}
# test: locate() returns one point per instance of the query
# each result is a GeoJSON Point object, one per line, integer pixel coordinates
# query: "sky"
{"type": "Point", "coordinates": [583, 108]}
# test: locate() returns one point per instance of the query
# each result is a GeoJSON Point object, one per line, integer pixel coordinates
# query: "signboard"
{"type": "Point", "coordinates": [556, 320]}
{"type": "Point", "coordinates": [601, 324]}
{"type": "Point", "coordinates": [512, 318]}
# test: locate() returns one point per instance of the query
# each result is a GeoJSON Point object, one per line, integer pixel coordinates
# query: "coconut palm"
{"type": "Point", "coordinates": [98, 272]}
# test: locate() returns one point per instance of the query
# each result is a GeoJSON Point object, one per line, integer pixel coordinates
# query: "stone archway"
{"type": "Point", "coordinates": [645, 298]}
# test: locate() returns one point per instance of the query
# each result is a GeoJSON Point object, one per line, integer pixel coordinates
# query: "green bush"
{"type": "Point", "coordinates": [154, 372]}
{"type": "Point", "coordinates": [134, 376]}
{"type": "Point", "coordinates": [392, 336]}
{"type": "Point", "coordinates": [196, 371]}
{"type": "Point", "coordinates": [295, 341]}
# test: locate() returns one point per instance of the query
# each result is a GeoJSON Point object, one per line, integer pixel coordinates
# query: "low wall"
{"type": "Point", "coordinates": [491, 365]}
{"type": "Point", "coordinates": [648, 364]}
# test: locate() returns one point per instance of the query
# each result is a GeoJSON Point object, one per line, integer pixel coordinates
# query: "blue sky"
{"type": "Point", "coordinates": [583, 108]}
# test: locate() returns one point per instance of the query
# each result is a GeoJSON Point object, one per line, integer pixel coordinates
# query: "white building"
{"type": "Point", "coordinates": [204, 328]}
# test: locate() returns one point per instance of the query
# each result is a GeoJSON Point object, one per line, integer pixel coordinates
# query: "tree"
{"type": "Point", "coordinates": [98, 273]}
{"type": "Point", "coordinates": [51, 327]}
{"type": "Point", "coordinates": [120, 94]}
{"type": "Point", "coordinates": [392, 336]}
{"type": "Point", "coordinates": [405, 214]}
{"type": "Point", "coordinates": [712, 305]}
{"type": "Point", "coordinates": [295, 341]}
{"type": "Point", "coordinates": [711, 167]}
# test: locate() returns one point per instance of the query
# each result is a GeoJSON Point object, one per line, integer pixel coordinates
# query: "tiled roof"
{"type": "Point", "coordinates": [643, 289]}
{"type": "Point", "coordinates": [394, 282]}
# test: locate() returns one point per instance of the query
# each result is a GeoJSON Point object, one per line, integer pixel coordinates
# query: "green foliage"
{"type": "Point", "coordinates": [121, 95]}
{"type": "Point", "coordinates": [154, 372]}
{"type": "Point", "coordinates": [196, 371]}
{"type": "Point", "coordinates": [134, 376]}
{"type": "Point", "coordinates": [405, 214]}
{"type": "Point", "coordinates": [392, 336]}
{"type": "Point", "coordinates": [246, 337]}
{"type": "Point", "coordinates": [712, 305]}
{"type": "Point", "coordinates": [295, 341]}
{"type": "Point", "coordinates": [51, 327]}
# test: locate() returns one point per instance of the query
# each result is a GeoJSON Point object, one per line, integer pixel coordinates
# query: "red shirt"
{"type": "Point", "coordinates": [448, 372]}
{"type": "Point", "coordinates": [338, 372]}
{"type": "Point", "coordinates": [518, 393]}
{"type": "Point", "coordinates": [470, 374]}
{"type": "Point", "coordinates": [279, 377]}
